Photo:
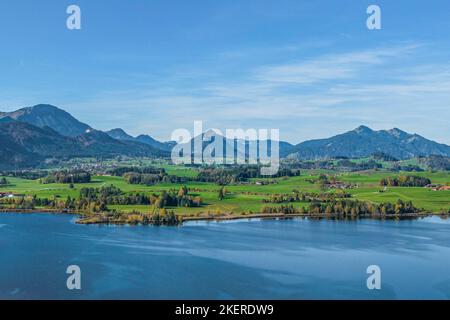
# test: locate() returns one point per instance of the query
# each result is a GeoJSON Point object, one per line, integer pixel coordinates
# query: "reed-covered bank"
{"type": "Point", "coordinates": [176, 220]}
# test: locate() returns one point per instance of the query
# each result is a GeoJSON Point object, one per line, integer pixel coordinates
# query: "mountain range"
{"type": "Point", "coordinates": [34, 135]}
{"type": "Point", "coordinates": [363, 142]}
{"type": "Point", "coordinates": [121, 135]}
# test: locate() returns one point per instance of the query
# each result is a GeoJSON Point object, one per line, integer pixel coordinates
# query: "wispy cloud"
{"type": "Point", "coordinates": [307, 98]}
{"type": "Point", "coordinates": [330, 67]}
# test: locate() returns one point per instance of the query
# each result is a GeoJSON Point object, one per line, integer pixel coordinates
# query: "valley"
{"type": "Point", "coordinates": [243, 199]}
{"type": "Point", "coordinates": [51, 162]}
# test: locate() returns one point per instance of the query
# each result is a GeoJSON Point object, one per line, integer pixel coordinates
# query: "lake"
{"type": "Point", "coordinates": [258, 259]}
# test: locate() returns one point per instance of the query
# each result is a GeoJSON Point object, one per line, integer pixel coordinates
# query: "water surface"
{"type": "Point", "coordinates": [258, 259]}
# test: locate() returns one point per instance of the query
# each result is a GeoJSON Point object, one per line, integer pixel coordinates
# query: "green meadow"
{"type": "Point", "coordinates": [247, 197]}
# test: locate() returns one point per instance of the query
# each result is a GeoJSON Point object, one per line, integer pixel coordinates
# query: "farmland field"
{"type": "Point", "coordinates": [247, 197]}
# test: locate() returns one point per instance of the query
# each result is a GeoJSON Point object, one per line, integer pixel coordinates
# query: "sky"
{"type": "Point", "coordinates": [309, 68]}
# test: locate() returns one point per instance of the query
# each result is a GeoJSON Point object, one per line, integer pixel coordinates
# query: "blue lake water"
{"type": "Point", "coordinates": [258, 259]}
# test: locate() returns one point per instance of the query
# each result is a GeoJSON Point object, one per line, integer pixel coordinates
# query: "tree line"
{"type": "Point", "coordinates": [297, 196]}
{"type": "Point", "coordinates": [236, 174]}
{"type": "Point", "coordinates": [152, 178]}
{"type": "Point", "coordinates": [405, 181]}
{"type": "Point", "coordinates": [67, 177]}
{"type": "Point", "coordinates": [93, 203]}
{"type": "Point", "coordinates": [347, 208]}
{"type": "Point", "coordinates": [120, 171]}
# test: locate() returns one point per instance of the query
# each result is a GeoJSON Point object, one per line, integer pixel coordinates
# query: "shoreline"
{"type": "Point", "coordinates": [90, 220]}
{"type": "Point", "coordinates": [30, 211]}
{"type": "Point", "coordinates": [309, 215]}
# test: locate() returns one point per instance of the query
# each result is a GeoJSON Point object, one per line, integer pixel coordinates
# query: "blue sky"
{"type": "Point", "coordinates": [310, 68]}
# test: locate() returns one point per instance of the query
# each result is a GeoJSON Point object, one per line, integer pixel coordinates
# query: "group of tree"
{"type": "Point", "coordinates": [111, 195]}
{"type": "Point", "coordinates": [407, 168]}
{"type": "Point", "coordinates": [347, 208]}
{"type": "Point", "coordinates": [238, 173]}
{"type": "Point", "coordinates": [21, 203]}
{"type": "Point", "coordinates": [67, 176]}
{"type": "Point", "coordinates": [327, 181]}
{"type": "Point", "coordinates": [154, 217]}
{"type": "Point", "coordinates": [151, 178]}
{"type": "Point", "coordinates": [384, 157]}
{"type": "Point", "coordinates": [349, 165]}
{"type": "Point", "coordinates": [437, 163]}
{"type": "Point", "coordinates": [147, 175]}
{"type": "Point", "coordinates": [120, 171]}
{"type": "Point", "coordinates": [25, 174]}
{"type": "Point", "coordinates": [337, 164]}
{"type": "Point", "coordinates": [297, 196]}
{"type": "Point", "coordinates": [95, 200]}
{"type": "Point", "coordinates": [177, 199]}
{"type": "Point", "coordinates": [4, 181]}
{"type": "Point", "coordinates": [157, 218]}
{"type": "Point", "coordinates": [405, 181]}
{"type": "Point", "coordinates": [309, 164]}
{"type": "Point", "coordinates": [288, 209]}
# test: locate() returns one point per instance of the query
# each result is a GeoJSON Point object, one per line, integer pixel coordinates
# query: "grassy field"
{"type": "Point", "coordinates": [248, 197]}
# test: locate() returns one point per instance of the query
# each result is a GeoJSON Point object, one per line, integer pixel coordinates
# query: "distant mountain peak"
{"type": "Point", "coordinates": [118, 130]}
{"type": "Point", "coordinates": [396, 132]}
{"type": "Point", "coordinates": [119, 134]}
{"type": "Point", "coordinates": [145, 138]}
{"type": "Point", "coordinates": [45, 107]}
{"type": "Point", "coordinates": [363, 130]}
{"type": "Point", "coordinates": [47, 115]}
